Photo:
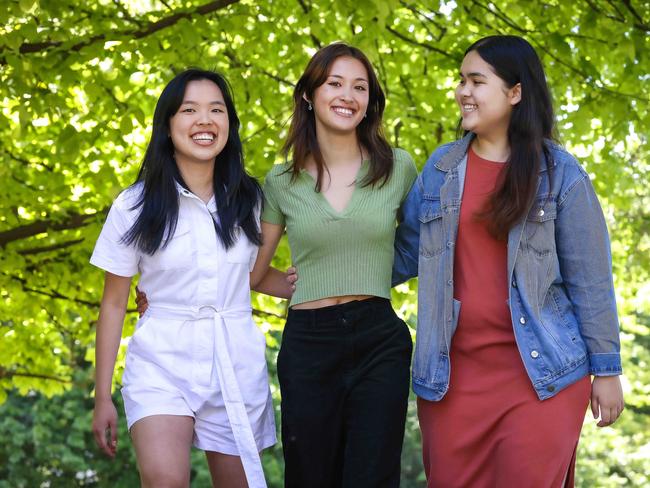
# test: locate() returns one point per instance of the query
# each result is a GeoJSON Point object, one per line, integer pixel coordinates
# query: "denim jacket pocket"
{"type": "Point", "coordinates": [540, 226]}
{"type": "Point", "coordinates": [432, 238]}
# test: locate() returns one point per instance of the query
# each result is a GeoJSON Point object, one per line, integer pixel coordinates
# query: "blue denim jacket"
{"type": "Point", "coordinates": [561, 293]}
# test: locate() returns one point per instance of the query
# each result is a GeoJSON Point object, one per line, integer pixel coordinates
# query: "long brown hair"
{"type": "Point", "coordinates": [302, 132]}
{"type": "Point", "coordinates": [532, 125]}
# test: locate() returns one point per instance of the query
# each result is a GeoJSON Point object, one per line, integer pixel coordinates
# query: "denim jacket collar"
{"type": "Point", "coordinates": [458, 150]}
{"type": "Point", "coordinates": [456, 153]}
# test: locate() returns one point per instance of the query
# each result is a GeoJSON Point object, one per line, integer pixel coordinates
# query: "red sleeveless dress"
{"type": "Point", "coordinates": [490, 430]}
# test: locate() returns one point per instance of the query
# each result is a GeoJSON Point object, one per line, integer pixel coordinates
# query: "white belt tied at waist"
{"type": "Point", "coordinates": [232, 397]}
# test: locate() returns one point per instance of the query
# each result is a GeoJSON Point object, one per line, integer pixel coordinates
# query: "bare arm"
{"type": "Point", "coordinates": [109, 333]}
{"type": "Point", "coordinates": [278, 284]}
{"type": "Point", "coordinates": [265, 279]}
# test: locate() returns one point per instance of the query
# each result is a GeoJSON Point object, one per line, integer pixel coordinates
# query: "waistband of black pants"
{"type": "Point", "coordinates": [334, 312]}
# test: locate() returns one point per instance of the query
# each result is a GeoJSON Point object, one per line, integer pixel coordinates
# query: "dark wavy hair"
{"type": "Point", "coordinates": [302, 132]}
{"type": "Point", "coordinates": [531, 128]}
{"type": "Point", "coordinates": [237, 194]}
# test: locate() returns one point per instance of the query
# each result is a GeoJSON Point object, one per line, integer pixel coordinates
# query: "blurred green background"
{"type": "Point", "coordinates": [78, 84]}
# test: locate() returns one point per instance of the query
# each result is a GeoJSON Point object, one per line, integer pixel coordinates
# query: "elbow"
{"type": "Point", "coordinates": [254, 283]}
{"type": "Point", "coordinates": [256, 278]}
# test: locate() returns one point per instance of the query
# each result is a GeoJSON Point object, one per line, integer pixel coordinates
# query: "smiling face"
{"type": "Point", "coordinates": [340, 103]}
{"type": "Point", "coordinates": [484, 99]}
{"type": "Point", "coordinates": [199, 129]}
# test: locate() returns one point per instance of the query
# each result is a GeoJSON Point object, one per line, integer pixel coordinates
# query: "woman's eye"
{"type": "Point", "coordinates": [187, 110]}
{"type": "Point", "coordinates": [334, 83]}
{"type": "Point", "coordinates": [218, 110]}
{"type": "Point", "coordinates": [361, 88]}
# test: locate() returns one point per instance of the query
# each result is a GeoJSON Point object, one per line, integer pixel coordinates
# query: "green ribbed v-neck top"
{"type": "Point", "coordinates": [339, 253]}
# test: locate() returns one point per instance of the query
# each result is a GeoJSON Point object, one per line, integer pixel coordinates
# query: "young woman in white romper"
{"type": "Point", "coordinates": [195, 368]}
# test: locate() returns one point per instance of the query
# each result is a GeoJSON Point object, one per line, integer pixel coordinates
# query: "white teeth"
{"type": "Point", "coordinates": [203, 136]}
{"type": "Point", "coordinates": [469, 108]}
{"type": "Point", "coordinates": [343, 111]}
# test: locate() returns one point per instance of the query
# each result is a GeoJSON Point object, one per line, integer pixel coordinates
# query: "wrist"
{"type": "Point", "coordinates": [103, 397]}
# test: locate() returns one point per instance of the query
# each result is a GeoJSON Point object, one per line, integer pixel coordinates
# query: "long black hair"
{"type": "Point", "coordinates": [237, 194]}
{"type": "Point", "coordinates": [532, 125]}
{"type": "Point", "coordinates": [302, 132]}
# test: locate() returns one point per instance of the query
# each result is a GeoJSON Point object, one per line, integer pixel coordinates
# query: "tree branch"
{"type": "Point", "coordinates": [49, 293]}
{"type": "Point", "coordinates": [424, 19]}
{"type": "Point", "coordinates": [26, 162]}
{"type": "Point", "coordinates": [72, 221]}
{"type": "Point", "coordinates": [621, 19]}
{"type": "Point", "coordinates": [426, 46]}
{"type": "Point", "coordinates": [601, 85]}
{"type": "Point", "coordinates": [641, 24]}
{"type": "Point", "coordinates": [4, 373]}
{"type": "Point", "coordinates": [53, 247]}
{"type": "Point", "coordinates": [307, 10]}
{"type": "Point", "coordinates": [150, 28]}
{"type": "Point", "coordinates": [239, 64]}
{"type": "Point", "coordinates": [126, 13]}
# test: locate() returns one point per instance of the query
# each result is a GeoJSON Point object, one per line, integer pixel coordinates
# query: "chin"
{"type": "Point", "coordinates": [469, 127]}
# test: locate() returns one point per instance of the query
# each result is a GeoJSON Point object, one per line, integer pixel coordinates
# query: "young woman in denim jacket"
{"type": "Point", "coordinates": [509, 241]}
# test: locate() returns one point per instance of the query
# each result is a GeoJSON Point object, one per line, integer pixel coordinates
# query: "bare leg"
{"type": "Point", "coordinates": [227, 471]}
{"type": "Point", "coordinates": [162, 447]}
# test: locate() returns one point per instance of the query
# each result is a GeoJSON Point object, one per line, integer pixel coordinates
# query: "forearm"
{"type": "Point", "coordinates": [263, 278]}
{"type": "Point", "coordinates": [585, 264]}
{"type": "Point", "coordinates": [274, 283]}
{"type": "Point", "coordinates": [407, 239]}
{"type": "Point", "coordinates": [109, 332]}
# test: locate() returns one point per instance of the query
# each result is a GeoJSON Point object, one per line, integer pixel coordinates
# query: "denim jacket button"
{"type": "Point", "coordinates": [450, 244]}
{"type": "Point", "coordinates": [541, 212]}
{"type": "Point", "coordinates": [522, 320]}
{"type": "Point", "coordinates": [450, 282]}
{"type": "Point", "coordinates": [550, 388]}
{"type": "Point", "coordinates": [514, 283]}
{"type": "Point", "coordinates": [534, 354]}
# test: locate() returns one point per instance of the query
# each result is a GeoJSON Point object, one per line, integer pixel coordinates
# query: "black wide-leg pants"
{"type": "Point", "coordinates": [344, 377]}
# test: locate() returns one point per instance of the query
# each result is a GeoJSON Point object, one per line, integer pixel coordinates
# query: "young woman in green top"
{"type": "Point", "coordinates": [344, 362]}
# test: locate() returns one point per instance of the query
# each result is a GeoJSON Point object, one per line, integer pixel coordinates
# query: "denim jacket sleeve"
{"type": "Point", "coordinates": [586, 266]}
{"type": "Point", "coordinates": [407, 237]}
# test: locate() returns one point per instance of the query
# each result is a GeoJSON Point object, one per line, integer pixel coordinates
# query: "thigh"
{"type": "Point", "coordinates": [226, 470]}
{"type": "Point", "coordinates": [162, 448]}
{"type": "Point", "coordinates": [376, 406]}
{"type": "Point", "coordinates": [311, 382]}
{"type": "Point", "coordinates": [542, 433]}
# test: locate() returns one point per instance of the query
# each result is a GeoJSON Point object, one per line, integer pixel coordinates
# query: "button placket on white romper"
{"type": "Point", "coordinates": [222, 362]}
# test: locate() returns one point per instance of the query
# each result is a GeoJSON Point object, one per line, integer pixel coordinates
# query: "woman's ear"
{"type": "Point", "coordinates": [514, 94]}
{"type": "Point", "coordinates": [304, 97]}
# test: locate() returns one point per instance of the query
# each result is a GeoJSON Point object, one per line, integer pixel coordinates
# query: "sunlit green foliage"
{"type": "Point", "coordinates": [78, 83]}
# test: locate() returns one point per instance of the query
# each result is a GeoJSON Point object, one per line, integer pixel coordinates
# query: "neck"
{"type": "Point", "coordinates": [338, 148]}
{"type": "Point", "coordinates": [198, 178]}
{"type": "Point", "coordinates": [492, 148]}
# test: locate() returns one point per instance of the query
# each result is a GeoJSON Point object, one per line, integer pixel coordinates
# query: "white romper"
{"type": "Point", "coordinates": [196, 351]}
